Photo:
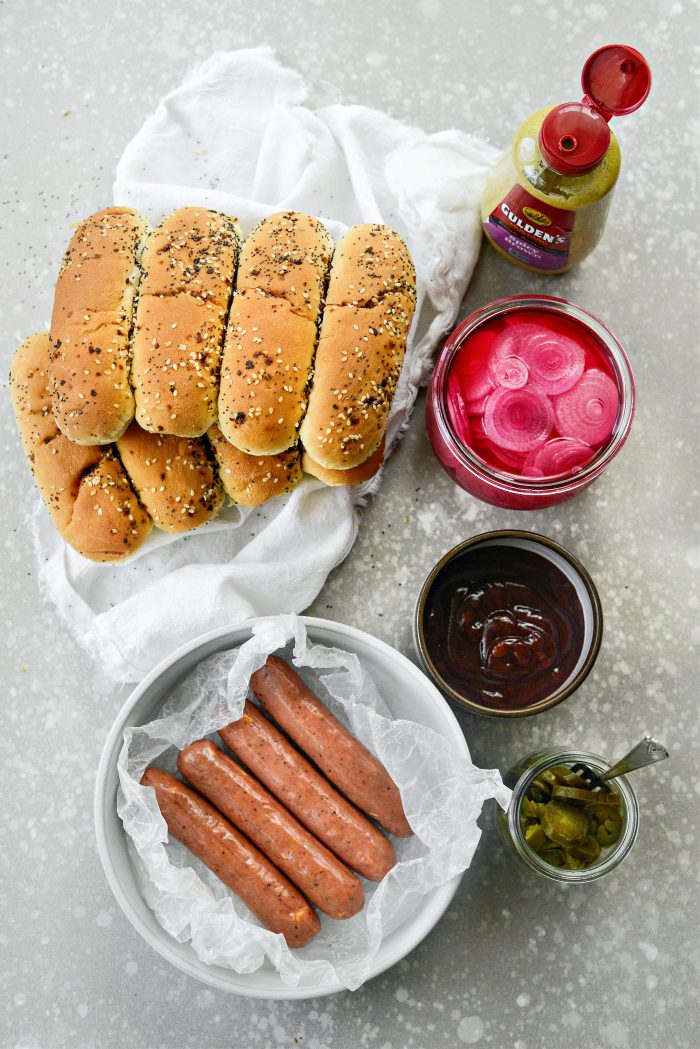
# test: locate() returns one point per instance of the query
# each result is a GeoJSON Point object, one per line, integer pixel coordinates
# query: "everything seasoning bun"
{"type": "Point", "coordinates": [91, 395]}
{"type": "Point", "coordinates": [355, 475]}
{"type": "Point", "coordinates": [117, 407]}
{"type": "Point", "coordinates": [85, 488]}
{"type": "Point", "coordinates": [369, 307]}
{"type": "Point", "coordinates": [272, 332]}
{"type": "Point", "coordinates": [253, 479]}
{"type": "Point", "coordinates": [189, 265]}
{"type": "Point", "coordinates": [174, 477]}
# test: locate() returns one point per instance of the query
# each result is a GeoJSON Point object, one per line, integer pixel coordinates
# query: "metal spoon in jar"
{"type": "Point", "coordinates": [646, 752]}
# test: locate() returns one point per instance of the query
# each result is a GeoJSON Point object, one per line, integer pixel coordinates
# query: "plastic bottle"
{"type": "Point", "coordinates": [546, 201]}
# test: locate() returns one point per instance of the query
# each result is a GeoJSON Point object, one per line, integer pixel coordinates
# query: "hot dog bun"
{"type": "Point", "coordinates": [272, 331]}
{"type": "Point", "coordinates": [188, 326]}
{"type": "Point", "coordinates": [85, 489]}
{"type": "Point", "coordinates": [253, 479]}
{"type": "Point", "coordinates": [92, 399]}
{"type": "Point", "coordinates": [174, 478]}
{"type": "Point", "coordinates": [188, 269]}
{"type": "Point", "coordinates": [369, 307]}
{"type": "Point", "coordinates": [355, 475]}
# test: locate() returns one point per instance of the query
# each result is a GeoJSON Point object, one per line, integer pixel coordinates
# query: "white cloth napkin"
{"type": "Point", "coordinates": [247, 136]}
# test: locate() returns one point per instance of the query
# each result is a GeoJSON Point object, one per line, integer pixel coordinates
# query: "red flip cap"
{"type": "Point", "coordinates": [574, 137]}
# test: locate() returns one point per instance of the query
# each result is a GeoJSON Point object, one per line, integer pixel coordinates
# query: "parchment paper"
{"type": "Point", "coordinates": [442, 792]}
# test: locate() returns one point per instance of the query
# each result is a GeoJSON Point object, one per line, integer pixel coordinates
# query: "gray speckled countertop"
{"type": "Point", "coordinates": [514, 964]}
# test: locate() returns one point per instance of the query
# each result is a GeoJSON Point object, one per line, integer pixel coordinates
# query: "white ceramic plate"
{"type": "Point", "coordinates": [420, 701]}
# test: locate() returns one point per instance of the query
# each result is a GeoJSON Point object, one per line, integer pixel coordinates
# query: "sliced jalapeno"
{"type": "Point", "coordinates": [573, 861]}
{"type": "Point", "coordinates": [602, 809]}
{"type": "Point", "coordinates": [528, 808]}
{"type": "Point", "coordinates": [535, 837]}
{"type": "Point", "coordinates": [609, 832]}
{"type": "Point", "coordinates": [554, 856]}
{"type": "Point", "coordinates": [564, 824]}
{"type": "Point", "coordinates": [553, 775]}
{"type": "Point", "coordinates": [540, 790]}
{"type": "Point", "coordinates": [588, 850]}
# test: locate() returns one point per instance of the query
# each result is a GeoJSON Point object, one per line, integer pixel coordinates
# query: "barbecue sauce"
{"type": "Point", "coordinates": [503, 626]}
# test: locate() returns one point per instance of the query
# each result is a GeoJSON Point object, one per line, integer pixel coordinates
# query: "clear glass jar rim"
{"type": "Point", "coordinates": [616, 854]}
{"type": "Point", "coordinates": [621, 364]}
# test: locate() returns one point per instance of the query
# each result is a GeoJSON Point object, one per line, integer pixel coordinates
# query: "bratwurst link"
{"type": "Point", "coordinates": [347, 763]}
{"type": "Point", "coordinates": [254, 811]}
{"type": "Point", "coordinates": [239, 865]}
{"type": "Point", "coordinates": [308, 795]}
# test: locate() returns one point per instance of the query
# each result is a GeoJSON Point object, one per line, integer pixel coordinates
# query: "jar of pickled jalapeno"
{"type": "Point", "coordinates": [560, 825]}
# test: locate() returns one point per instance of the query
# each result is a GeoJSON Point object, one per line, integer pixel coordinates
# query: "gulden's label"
{"type": "Point", "coordinates": [531, 231]}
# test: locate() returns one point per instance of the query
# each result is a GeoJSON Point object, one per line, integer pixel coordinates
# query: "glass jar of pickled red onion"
{"type": "Point", "coordinates": [531, 399]}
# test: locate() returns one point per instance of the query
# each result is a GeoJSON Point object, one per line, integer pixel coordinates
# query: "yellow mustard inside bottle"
{"type": "Point", "coordinates": [546, 201]}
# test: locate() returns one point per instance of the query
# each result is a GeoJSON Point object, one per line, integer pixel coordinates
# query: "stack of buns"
{"type": "Point", "coordinates": [183, 367]}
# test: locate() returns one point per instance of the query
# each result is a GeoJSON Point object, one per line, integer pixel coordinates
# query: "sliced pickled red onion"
{"type": "Point", "coordinates": [509, 461]}
{"type": "Point", "coordinates": [458, 412]}
{"type": "Point", "coordinates": [589, 410]}
{"type": "Point", "coordinates": [518, 419]}
{"type": "Point", "coordinates": [560, 455]}
{"type": "Point", "coordinates": [510, 372]}
{"type": "Point", "coordinates": [476, 425]}
{"type": "Point", "coordinates": [504, 345]}
{"type": "Point", "coordinates": [515, 336]}
{"type": "Point", "coordinates": [470, 369]}
{"type": "Point", "coordinates": [498, 458]}
{"type": "Point", "coordinates": [477, 407]}
{"type": "Point", "coordinates": [555, 362]}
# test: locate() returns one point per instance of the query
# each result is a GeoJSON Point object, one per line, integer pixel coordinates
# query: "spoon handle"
{"type": "Point", "coordinates": [646, 752]}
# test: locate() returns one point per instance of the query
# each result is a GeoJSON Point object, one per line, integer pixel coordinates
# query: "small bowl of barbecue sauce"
{"type": "Point", "coordinates": [508, 623]}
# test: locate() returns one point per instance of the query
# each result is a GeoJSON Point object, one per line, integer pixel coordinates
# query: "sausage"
{"type": "Point", "coordinates": [239, 865]}
{"type": "Point", "coordinates": [253, 810]}
{"type": "Point", "coordinates": [308, 795]}
{"type": "Point", "coordinates": [347, 763]}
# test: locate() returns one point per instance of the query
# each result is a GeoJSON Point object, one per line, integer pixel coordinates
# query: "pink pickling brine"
{"type": "Point", "coordinates": [530, 400]}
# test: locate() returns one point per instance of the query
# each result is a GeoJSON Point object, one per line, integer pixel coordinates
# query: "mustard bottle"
{"type": "Point", "coordinates": [546, 201]}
